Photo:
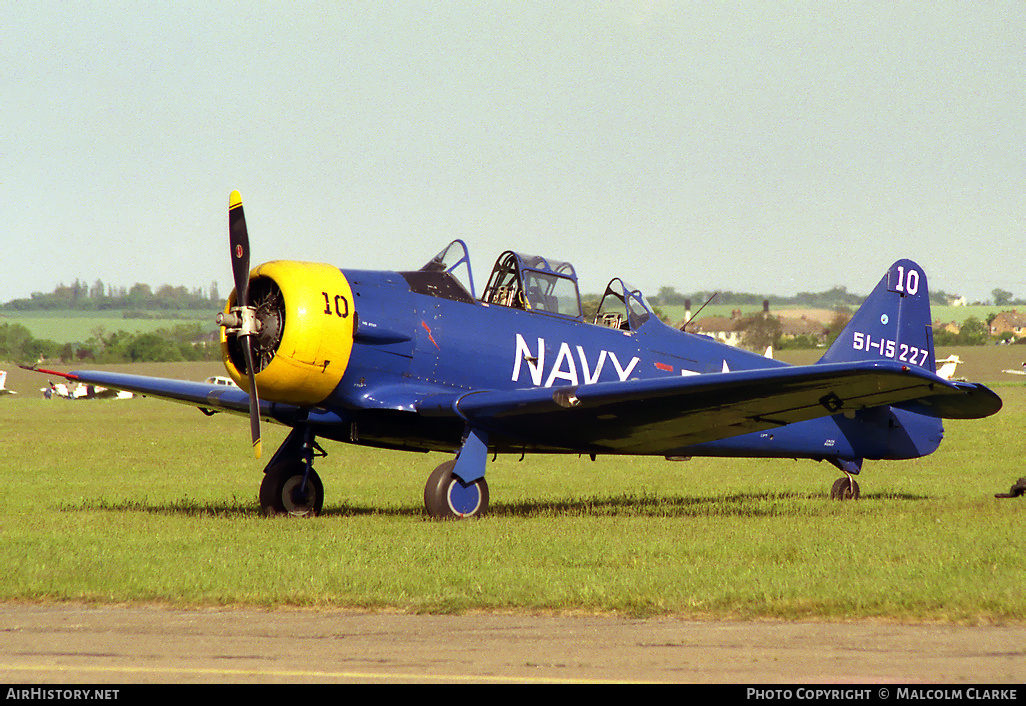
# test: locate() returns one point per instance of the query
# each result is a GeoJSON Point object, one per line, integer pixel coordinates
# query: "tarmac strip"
{"type": "Point", "coordinates": [82, 644]}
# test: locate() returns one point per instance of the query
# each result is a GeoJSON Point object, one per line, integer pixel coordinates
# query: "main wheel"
{"type": "Point", "coordinates": [446, 497]}
{"type": "Point", "coordinates": [279, 491]}
{"type": "Point", "coordinates": [844, 489]}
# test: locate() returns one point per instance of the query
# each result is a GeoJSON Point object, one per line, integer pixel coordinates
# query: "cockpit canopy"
{"type": "Point", "coordinates": [528, 282]}
{"type": "Point", "coordinates": [447, 275]}
{"type": "Point", "coordinates": [622, 307]}
{"type": "Point", "coordinates": [533, 283]}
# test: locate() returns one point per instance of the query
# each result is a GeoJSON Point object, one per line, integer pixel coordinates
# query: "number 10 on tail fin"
{"type": "Point", "coordinates": [892, 324]}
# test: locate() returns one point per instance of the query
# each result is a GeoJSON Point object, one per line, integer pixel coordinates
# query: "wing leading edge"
{"type": "Point", "coordinates": [653, 415]}
{"type": "Point", "coordinates": [205, 396]}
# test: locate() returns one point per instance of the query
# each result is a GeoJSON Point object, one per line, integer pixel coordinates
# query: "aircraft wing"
{"type": "Point", "coordinates": [653, 415]}
{"type": "Point", "coordinates": [206, 396]}
{"type": "Point", "coordinates": [635, 416]}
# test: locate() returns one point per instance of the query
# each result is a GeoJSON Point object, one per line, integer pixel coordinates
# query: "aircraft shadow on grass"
{"type": "Point", "coordinates": [734, 505]}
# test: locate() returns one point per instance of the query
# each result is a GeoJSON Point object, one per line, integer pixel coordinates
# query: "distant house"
{"type": "Point", "coordinates": [791, 328]}
{"type": "Point", "coordinates": [730, 330]}
{"type": "Point", "coordinates": [722, 329]}
{"type": "Point", "coordinates": [1012, 322]}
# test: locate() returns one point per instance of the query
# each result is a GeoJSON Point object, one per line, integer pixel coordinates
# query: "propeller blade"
{"type": "Point", "coordinates": [254, 401]}
{"type": "Point", "coordinates": [238, 238]}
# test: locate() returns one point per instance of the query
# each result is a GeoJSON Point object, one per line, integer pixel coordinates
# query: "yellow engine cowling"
{"type": "Point", "coordinates": [306, 336]}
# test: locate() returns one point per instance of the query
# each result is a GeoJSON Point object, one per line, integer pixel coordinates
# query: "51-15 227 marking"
{"type": "Point", "coordinates": [890, 349]}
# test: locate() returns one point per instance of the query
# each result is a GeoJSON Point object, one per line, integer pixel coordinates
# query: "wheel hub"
{"type": "Point", "coordinates": [297, 502]}
{"type": "Point", "coordinates": [464, 500]}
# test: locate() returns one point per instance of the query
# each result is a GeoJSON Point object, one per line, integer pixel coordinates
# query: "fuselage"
{"type": "Point", "coordinates": [408, 344]}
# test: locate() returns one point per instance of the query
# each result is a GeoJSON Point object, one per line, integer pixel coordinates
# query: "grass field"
{"type": "Point", "coordinates": [144, 501]}
{"type": "Point", "coordinates": [79, 326]}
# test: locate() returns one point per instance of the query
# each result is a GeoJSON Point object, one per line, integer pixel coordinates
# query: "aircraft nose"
{"type": "Point", "coordinates": [305, 335]}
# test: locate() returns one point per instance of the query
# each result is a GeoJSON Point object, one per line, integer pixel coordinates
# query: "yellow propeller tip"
{"type": "Point", "coordinates": [235, 200]}
{"type": "Point", "coordinates": [256, 449]}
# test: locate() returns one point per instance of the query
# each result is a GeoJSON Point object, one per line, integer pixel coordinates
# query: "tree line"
{"type": "Point", "coordinates": [829, 299]}
{"type": "Point", "coordinates": [832, 298]}
{"type": "Point", "coordinates": [102, 297]}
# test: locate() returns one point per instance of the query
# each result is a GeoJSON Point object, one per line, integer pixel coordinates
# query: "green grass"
{"type": "Point", "coordinates": [959, 314]}
{"type": "Point", "coordinates": [144, 501]}
{"type": "Point", "coordinates": [79, 326]}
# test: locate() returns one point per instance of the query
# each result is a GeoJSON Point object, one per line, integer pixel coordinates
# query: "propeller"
{"type": "Point", "coordinates": [243, 316]}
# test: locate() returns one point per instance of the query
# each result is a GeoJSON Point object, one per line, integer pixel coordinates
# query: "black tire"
{"type": "Point", "coordinates": [844, 489]}
{"type": "Point", "coordinates": [279, 490]}
{"type": "Point", "coordinates": [446, 497]}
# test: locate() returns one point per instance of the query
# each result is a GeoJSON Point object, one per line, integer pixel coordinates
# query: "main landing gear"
{"type": "Point", "coordinates": [284, 491]}
{"type": "Point", "coordinates": [291, 486]}
{"type": "Point", "coordinates": [456, 489]}
{"type": "Point", "coordinates": [447, 497]}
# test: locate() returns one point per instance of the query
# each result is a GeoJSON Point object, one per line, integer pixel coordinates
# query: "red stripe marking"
{"type": "Point", "coordinates": [67, 376]}
{"type": "Point", "coordinates": [430, 337]}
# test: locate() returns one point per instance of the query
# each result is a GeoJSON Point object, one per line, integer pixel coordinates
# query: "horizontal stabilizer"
{"type": "Point", "coordinates": [976, 402]}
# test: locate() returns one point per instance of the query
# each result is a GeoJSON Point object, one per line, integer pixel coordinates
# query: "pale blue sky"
{"type": "Point", "coordinates": [768, 147]}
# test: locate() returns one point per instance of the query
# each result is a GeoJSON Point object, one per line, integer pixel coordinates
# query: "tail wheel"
{"type": "Point", "coordinates": [446, 497]}
{"type": "Point", "coordinates": [280, 491]}
{"type": "Point", "coordinates": [844, 489]}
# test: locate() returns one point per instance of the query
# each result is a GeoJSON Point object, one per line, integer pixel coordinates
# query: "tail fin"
{"type": "Point", "coordinates": [893, 324]}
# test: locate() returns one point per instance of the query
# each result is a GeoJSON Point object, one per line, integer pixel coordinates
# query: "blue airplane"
{"type": "Point", "coordinates": [416, 361]}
